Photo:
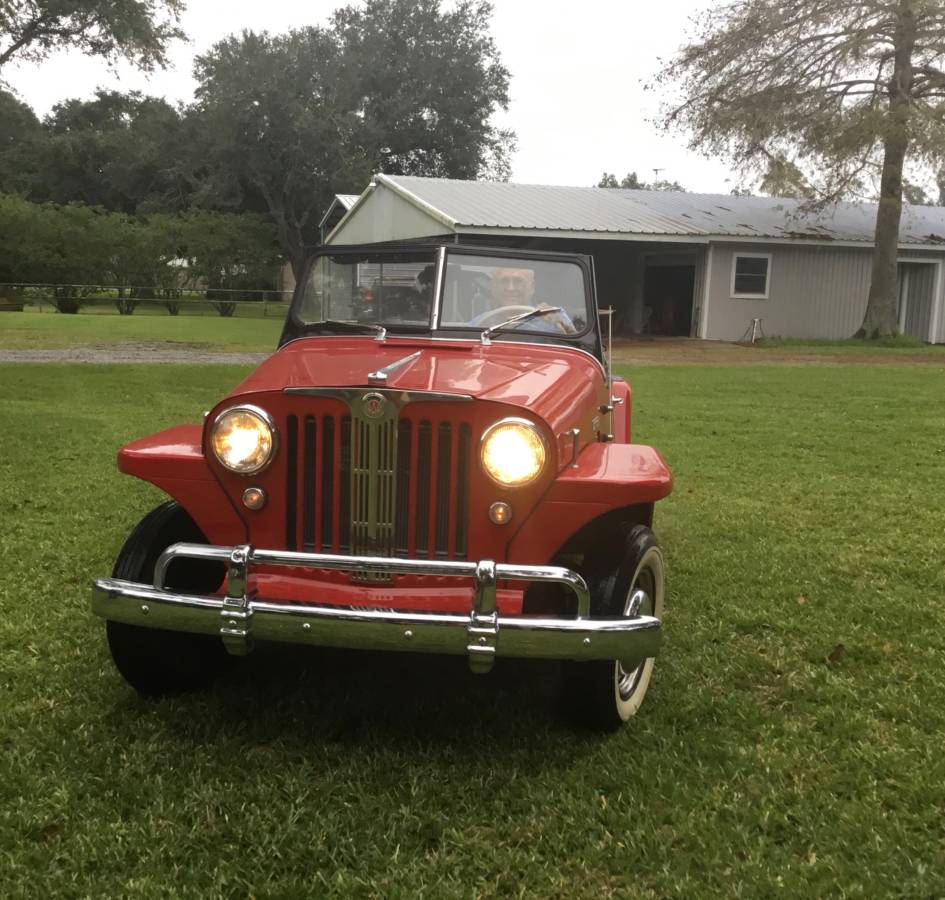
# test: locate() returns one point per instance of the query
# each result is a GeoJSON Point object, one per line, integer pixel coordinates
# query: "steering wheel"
{"type": "Point", "coordinates": [494, 316]}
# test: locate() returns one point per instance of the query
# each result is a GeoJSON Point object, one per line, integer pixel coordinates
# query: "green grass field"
{"type": "Point", "coordinates": [49, 330]}
{"type": "Point", "coordinates": [894, 346]}
{"type": "Point", "coordinates": [807, 516]}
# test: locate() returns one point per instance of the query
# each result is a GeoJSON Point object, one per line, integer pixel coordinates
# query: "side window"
{"type": "Point", "coordinates": [751, 273]}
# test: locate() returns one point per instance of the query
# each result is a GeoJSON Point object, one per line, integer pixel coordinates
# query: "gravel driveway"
{"type": "Point", "coordinates": [132, 352]}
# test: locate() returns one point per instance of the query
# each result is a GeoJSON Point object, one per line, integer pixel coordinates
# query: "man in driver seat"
{"type": "Point", "coordinates": [516, 287]}
{"type": "Point", "coordinates": [512, 287]}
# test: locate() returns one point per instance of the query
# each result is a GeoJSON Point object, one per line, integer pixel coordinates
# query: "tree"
{"type": "Point", "coordinates": [123, 152]}
{"type": "Point", "coordinates": [632, 182]}
{"type": "Point", "coordinates": [77, 248]}
{"type": "Point", "coordinates": [783, 178]}
{"type": "Point", "coordinates": [273, 130]}
{"type": "Point", "coordinates": [424, 84]}
{"type": "Point", "coordinates": [69, 246]}
{"type": "Point", "coordinates": [21, 134]}
{"type": "Point", "coordinates": [848, 89]}
{"type": "Point", "coordinates": [398, 86]}
{"type": "Point", "coordinates": [138, 30]}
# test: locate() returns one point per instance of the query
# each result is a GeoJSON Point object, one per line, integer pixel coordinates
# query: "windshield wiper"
{"type": "Point", "coordinates": [379, 330]}
{"type": "Point", "coordinates": [517, 320]}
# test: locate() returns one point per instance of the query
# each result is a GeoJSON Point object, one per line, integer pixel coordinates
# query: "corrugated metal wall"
{"type": "Point", "coordinates": [383, 216]}
{"type": "Point", "coordinates": [813, 292]}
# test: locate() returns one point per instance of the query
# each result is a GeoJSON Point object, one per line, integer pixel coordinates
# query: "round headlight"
{"type": "Point", "coordinates": [513, 452]}
{"type": "Point", "coordinates": [243, 439]}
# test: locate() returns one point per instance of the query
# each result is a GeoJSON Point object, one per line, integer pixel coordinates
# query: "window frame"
{"type": "Point", "coordinates": [743, 296]}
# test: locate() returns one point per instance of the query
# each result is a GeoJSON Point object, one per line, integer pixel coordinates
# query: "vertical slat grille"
{"type": "Point", "coordinates": [373, 487]}
{"type": "Point", "coordinates": [291, 483]}
{"type": "Point", "coordinates": [397, 487]}
{"type": "Point", "coordinates": [309, 463]}
{"type": "Point", "coordinates": [462, 491]}
{"type": "Point", "coordinates": [327, 481]}
{"type": "Point", "coordinates": [404, 449]}
{"type": "Point", "coordinates": [424, 458]}
{"type": "Point", "coordinates": [344, 476]}
{"type": "Point", "coordinates": [443, 458]}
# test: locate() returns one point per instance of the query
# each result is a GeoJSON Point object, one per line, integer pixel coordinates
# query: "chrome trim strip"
{"type": "Point", "coordinates": [630, 640]}
{"type": "Point", "coordinates": [373, 470]}
{"type": "Point", "coordinates": [380, 376]}
{"type": "Point", "coordinates": [401, 398]}
{"type": "Point", "coordinates": [438, 291]}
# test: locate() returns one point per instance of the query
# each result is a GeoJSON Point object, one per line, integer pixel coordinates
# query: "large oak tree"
{"type": "Point", "coordinates": [849, 91]}
{"type": "Point", "coordinates": [400, 86]}
{"type": "Point", "coordinates": [138, 30]}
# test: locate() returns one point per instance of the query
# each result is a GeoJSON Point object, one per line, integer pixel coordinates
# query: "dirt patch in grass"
{"type": "Point", "coordinates": [676, 351]}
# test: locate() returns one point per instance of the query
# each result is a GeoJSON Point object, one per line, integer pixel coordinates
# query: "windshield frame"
{"type": "Point", "coordinates": [588, 340]}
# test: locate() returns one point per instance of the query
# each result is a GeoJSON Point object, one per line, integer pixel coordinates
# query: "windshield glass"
{"type": "Point", "coordinates": [382, 288]}
{"type": "Point", "coordinates": [396, 289]}
{"type": "Point", "coordinates": [484, 291]}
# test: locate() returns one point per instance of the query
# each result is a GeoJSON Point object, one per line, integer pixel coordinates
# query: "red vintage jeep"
{"type": "Point", "coordinates": [451, 474]}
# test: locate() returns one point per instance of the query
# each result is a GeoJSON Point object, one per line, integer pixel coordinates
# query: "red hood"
{"type": "Point", "coordinates": [556, 383]}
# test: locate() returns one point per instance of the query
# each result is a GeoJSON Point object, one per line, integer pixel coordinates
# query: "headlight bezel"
{"type": "Point", "coordinates": [263, 416]}
{"type": "Point", "coordinates": [528, 425]}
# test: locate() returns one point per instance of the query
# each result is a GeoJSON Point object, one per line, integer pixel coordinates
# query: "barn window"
{"type": "Point", "coordinates": [750, 273]}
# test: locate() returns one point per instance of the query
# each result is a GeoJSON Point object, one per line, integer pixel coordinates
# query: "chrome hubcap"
{"type": "Point", "coordinates": [639, 603]}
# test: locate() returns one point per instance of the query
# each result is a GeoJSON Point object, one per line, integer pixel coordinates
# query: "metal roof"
{"type": "Point", "coordinates": [531, 207]}
{"type": "Point", "coordinates": [343, 201]}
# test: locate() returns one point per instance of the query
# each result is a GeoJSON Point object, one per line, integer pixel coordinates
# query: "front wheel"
{"type": "Point", "coordinates": [604, 695]}
{"type": "Point", "coordinates": [156, 662]}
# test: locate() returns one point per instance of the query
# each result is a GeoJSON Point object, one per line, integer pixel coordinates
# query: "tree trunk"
{"type": "Point", "coordinates": [881, 318]}
{"type": "Point", "coordinates": [882, 308]}
{"type": "Point", "coordinates": [297, 262]}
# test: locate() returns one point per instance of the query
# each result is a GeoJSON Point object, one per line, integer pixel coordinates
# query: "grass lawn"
{"type": "Point", "coordinates": [806, 524]}
{"type": "Point", "coordinates": [882, 347]}
{"type": "Point", "coordinates": [34, 331]}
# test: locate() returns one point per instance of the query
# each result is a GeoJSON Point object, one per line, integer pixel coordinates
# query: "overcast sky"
{"type": "Point", "coordinates": [578, 101]}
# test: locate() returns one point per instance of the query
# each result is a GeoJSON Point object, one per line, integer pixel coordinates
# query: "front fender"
{"type": "Point", "coordinates": [606, 477]}
{"type": "Point", "coordinates": [173, 461]}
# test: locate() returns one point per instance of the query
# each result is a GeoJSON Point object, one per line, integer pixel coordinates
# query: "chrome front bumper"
{"type": "Point", "coordinates": [240, 616]}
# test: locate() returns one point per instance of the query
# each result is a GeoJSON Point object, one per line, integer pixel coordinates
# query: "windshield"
{"type": "Point", "coordinates": [397, 289]}
{"type": "Point", "coordinates": [485, 291]}
{"type": "Point", "coordinates": [374, 289]}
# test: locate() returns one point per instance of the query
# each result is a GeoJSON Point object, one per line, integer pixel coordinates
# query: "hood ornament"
{"type": "Point", "coordinates": [380, 376]}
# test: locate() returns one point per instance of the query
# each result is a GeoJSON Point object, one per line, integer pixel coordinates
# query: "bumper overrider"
{"type": "Point", "coordinates": [241, 616]}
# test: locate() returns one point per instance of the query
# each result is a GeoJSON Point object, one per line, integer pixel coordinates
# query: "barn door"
{"type": "Point", "coordinates": [916, 297]}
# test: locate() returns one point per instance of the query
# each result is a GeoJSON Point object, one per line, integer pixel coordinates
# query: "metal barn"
{"type": "Point", "coordinates": [669, 263]}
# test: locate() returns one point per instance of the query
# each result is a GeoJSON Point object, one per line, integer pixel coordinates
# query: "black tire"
{"type": "Point", "coordinates": [601, 695]}
{"type": "Point", "coordinates": [153, 661]}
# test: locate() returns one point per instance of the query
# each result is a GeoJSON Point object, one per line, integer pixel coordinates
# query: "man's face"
{"type": "Point", "coordinates": [513, 287]}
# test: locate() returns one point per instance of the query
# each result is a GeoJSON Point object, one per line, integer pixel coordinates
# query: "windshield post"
{"type": "Point", "coordinates": [438, 288]}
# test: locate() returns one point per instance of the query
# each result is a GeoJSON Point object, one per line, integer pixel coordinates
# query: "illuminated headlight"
{"type": "Point", "coordinates": [513, 452]}
{"type": "Point", "coordinates": [243, 439]}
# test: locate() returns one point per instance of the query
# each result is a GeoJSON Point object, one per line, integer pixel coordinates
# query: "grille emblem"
{"type": "Point", "coordinates": [373, 405]}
